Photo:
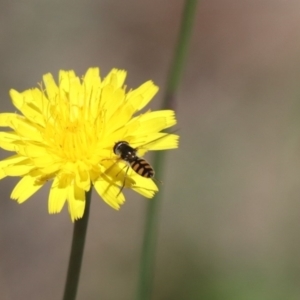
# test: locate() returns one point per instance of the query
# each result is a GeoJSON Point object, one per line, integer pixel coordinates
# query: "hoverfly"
{"type": "Point", "coordinates": [129, 155]}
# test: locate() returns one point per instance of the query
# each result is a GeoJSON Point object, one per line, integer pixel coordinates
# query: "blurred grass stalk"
{"type": "Point", "coordinates": [75, 260]}
{"type": "Point", "coordinates": [147, 263]}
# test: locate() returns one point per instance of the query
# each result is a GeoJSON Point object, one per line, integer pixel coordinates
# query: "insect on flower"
{"type": "Point", "coordinates": [130, 155]}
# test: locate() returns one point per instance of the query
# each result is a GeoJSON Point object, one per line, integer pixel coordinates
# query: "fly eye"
{"type": "Point", "coordinates": [116, 149]}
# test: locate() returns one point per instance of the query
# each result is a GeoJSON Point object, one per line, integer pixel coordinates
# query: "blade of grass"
{"type": "Point", "coordinates": [146, 272]}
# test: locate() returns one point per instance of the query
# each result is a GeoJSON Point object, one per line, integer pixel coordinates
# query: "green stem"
{"type": "Point", "coordinates": [180, 53]}
{"type": "Point", "coordinates": [146, 272]}
{"type": "Point", "coordinates": [78, 241]}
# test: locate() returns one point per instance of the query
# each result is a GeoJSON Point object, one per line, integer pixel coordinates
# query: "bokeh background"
{"type": "Point", "coordinates": [230, 219]}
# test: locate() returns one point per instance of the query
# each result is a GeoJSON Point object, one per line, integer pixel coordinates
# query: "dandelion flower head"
{"type": "Point", "coordinates": [65, 133]}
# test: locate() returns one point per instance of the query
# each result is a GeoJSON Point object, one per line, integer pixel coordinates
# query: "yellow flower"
{"type": "Point", "coordinates": [67, 132]}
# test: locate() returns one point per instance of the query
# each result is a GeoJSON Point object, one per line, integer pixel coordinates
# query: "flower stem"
{"type": "Point", "coordinates": [78, 241]}
{"type": "Point", "coordinates": [146, 271]}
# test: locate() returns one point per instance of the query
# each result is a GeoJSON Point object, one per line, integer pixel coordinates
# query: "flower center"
{"type": "Point", "coordinates": [73, 139]}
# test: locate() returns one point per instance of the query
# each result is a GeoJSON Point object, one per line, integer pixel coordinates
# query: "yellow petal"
{"type": "Point", "coordinates": [152, 122]}
{"type": "Point", "coordinates": [10, 161]}
{"type": "Point", "coordinates": [141, 96]}
{"type": "Point", "coordinates": [22, 102]}
{"type": "Point", "coordinates": [23, 127]}
{"type": "Point", "coordinates": [113, 99]}
{"type": "Point", "coordinates": [144, 192]}
{"type": "Point", "coordinates": [32, 150]}
{"type": "Point", "coordinates": [39, 100]}
{"type": "Point", "coordinates": [122, 116]}
{"type": "Point", "coordinates": [8, 141]}
{"type": "Point", "coordinates": [91, 79]}
{"type": "Point", "coordinates": [118, 172]}
{"type": "Point", "coordinates": [57, 197]}
{"type": "Point", "coordinates": [51, 87]}
{"type": "Point", "coordinates": [43, 161]}
{"type": "Point", "coordinates": [52, 168]}
{"type": "Point", "coordinates": [25, 188]}
{"type": "Point", "coordinates": [144, 186]}
{"type": "Point", "coordinates": [159, 141]}
{"type": "Point", "coordinates": [31, 109]}
{"type": "Point", "coordinates": [20, 169]}
{"type": "Point", "coordinates": [115, 77]}
{"type": "Point", "coordinates": [17, 99]}
{"type": "Point", "coordinates": [109, 193]}
{"type": "Point", "coordinates": [65, 77]}
{"type": "Point", "coordinates": [76, 97]}
{"type": "Point", "coordinates": [6, 118]}
{"type": "Point", "coordinates": [76, 202]}
{"type": "Point", "coordinates": [82, 178]}
{"type": "Point", "coordinates": [26, 129]}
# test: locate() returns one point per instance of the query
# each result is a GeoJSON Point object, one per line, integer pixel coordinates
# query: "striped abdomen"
{"type": "Point", "coordinates": [141, 167]}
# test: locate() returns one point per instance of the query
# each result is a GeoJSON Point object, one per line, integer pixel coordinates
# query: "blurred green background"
{"type": "Point", "coordinates": [230, 221]}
